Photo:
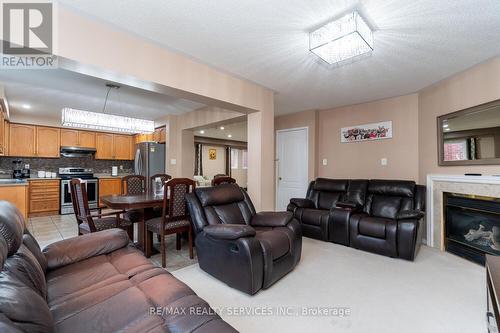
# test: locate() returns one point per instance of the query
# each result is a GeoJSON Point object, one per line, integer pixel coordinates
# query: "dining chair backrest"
{"type": "Point", "coordinates": [223, 180]}
{"type": "Point", "coordinates": [220, 175]}
{"type": "Point", "coordinates": [163, 177]}
{"type": "Point", "coordinates": [134, 184]}
{"type": "Point", "coordinates": [80, 203]}
{"type": "Point", "coordinates": [174, 202]}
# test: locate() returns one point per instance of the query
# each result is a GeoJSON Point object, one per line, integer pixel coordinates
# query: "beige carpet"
{"type": "Point", "coordinates": [439, 292]}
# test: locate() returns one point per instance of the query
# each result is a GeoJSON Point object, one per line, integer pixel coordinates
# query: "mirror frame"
{"type": "Point", "coordinates": [440, 138]}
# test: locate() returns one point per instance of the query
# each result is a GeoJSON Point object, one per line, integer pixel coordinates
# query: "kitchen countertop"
{"type": "Point", "coordinates": [108, 175]}
{"type": "Point", "coordinates": [36, 178]}
{"type": "Point", "coordinates": [12, 182]}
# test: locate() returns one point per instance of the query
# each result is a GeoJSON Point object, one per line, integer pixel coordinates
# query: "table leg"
{"type": "Point", "coordinates": [141, 234]}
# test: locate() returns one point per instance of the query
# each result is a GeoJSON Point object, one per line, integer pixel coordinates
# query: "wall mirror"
{"type": "Point", "coordinates": [470, 136]}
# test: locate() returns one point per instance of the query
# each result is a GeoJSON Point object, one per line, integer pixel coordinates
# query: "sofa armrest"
{"type": "Point", "coordinates": [409, 237]}
{"type": "Point", "coordinates": [347, 204]}
{"type": "Point", "coordinates": [229, 231]}
{"type": "Point", "coordinates": [302, 203]}
{"type": "Point", "coordinates": [271, 219]}
{"type": "Point", "coordinates": [410, 215]}
{"type": "Point", "coordinates": [79, 248]}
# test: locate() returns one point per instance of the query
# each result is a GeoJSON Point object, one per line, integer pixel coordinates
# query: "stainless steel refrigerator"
{"type": "Point", "coordinates": [149, 159]}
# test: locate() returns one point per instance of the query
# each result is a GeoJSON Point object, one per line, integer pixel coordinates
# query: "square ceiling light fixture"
{"type": "Point", "coordinates": [342, 39]}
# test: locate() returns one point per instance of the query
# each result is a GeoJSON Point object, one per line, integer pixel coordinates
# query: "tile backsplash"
{"type": "Point", "coordinates": [53, 164]}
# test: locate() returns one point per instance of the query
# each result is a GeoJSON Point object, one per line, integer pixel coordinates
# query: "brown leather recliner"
{"type": "Point", "coordinates": [246, 250]}
{"type": "Point", "coordinates": [314, 212]}
{"type": "Point", "coordinates": [391, 219]}
{"type": "Point", "coordinates": [91, 283]}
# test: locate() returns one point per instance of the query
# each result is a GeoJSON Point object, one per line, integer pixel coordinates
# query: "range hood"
{"type": "Point", "coordinates": [77, 151]}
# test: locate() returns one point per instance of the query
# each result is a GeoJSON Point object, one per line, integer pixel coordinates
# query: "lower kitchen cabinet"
{"type": "Point", "coordinates": [44, 197]}
{"type": "Point", "coordinates": [16, 195]}
{"type": "Point", "coordinates": [108, 186]}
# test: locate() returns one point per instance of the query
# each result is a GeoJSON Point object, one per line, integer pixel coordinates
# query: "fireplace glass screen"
{"type": "Point", "coordinates": [472, 226]}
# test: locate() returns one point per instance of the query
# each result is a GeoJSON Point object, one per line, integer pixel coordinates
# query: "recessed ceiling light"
{"type": "Point", "coordinates": [229, 136]}
{"type": "Point", "coordinates": [222, 128]}
{"type": "Point", "coordinates": [26, 106]}
{"type": "Point", "coordinates": [446, 125]}
{"type": "Point", "coordinates": [447, 129]}
{"type": "Point", "coordinates": [341, 39]}
{"type": "Point", "coordinates": [202, 132]}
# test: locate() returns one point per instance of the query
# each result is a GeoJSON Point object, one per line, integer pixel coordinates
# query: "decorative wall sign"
{"type": "Point", "coordinates": [367, 132]}
{"type": "Point", "coordinates": [212, 154]}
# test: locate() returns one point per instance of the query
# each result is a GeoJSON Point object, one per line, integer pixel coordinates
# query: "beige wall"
{"type": "Point", "coordinates": [362, 159]}
{"type": "Point", "coordinates": [307, 119]}
{"type": "Point", "coordinates": [239, 173]}
{"type": "Point", "coordinates": [95, 48]}
{"type": "Point", "coordinates": [478, 85]}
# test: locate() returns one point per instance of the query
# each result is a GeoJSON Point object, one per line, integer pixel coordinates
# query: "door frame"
{"type": "Point", "coordinates": [276, 160]}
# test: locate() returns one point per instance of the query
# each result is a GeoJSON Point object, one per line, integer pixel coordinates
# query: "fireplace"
{"type": "Point", "coordinates": [472, 226]}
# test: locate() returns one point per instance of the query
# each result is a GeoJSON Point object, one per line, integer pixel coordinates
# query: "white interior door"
{"type": "Point", "coordinates": [291, 165]}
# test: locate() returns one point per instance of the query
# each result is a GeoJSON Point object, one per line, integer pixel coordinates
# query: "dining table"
{"type": "Point", "coordinates": [134, 201]}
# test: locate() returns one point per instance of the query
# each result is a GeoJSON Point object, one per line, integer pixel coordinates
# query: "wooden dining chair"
{"type": "Point", "coordinates": [88, 222]}
{"type": "Point", "coordinates": [175, 218]}
{"type": "Point", "coordinates": [134, 184]}
{"type": "Point", "coordinates": [223, 180]}
{"type": "Point", "coordinates": [164, 178]}
{"type": "Point", "coordinates": [157, 211]}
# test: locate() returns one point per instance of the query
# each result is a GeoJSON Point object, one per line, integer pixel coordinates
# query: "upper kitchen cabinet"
{"type": "Point", "coordinates": [114, 146]}
{"type": "Point", "coordinates": [86, 139]}
{"type": "Point", "coordinates": [48, 142]}
{"type": "Point", "coordinates": [2, 133]}
{"type": "Point", "coordinates": [122, 147]}
{"type": "Point", "coordinates": [159, 135]}
{"type": "Point", "coordinates": [104, 146]}
{"type": "Point", "coordinates": [22, 140]}
{"type": "Point", "coordinates": [75, 138]}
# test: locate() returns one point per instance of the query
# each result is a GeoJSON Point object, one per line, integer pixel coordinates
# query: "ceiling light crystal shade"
{"type": "Point", "coordinates": [342, 39]}
{"type": "Point", "coordinates": [105, 122]}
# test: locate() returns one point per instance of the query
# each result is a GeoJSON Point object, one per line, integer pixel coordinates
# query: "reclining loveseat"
{"type": "Point", "coordinates": [379, 216]}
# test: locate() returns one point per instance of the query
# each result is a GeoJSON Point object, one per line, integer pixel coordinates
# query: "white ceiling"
{"type": "Point", "coordinates": [417, 42]}
{"type": "Point", "coordinates": [48, 91]}
{"type": "Point", "coordinates": [238, 131]}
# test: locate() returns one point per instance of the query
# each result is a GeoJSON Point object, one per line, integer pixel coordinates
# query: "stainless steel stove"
{"type": "Point", "coordinates": [91, 182]}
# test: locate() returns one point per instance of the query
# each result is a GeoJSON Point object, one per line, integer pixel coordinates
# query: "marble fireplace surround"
{"type": "Point", "coordinates": [437, 184]}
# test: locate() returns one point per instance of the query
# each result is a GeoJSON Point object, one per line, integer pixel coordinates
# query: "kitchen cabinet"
{"type": "Point", "coordinates": [109, 186]}
{"type": "Point", "coordinates": [48, 142]}
{"type": "Point", "coordinates": [138, 138]}
{"type": "Point", "coordinates": [6, 129]}
{"type": "Point", "coordinates": [104, 146]}
{"type": "Point", "coordinates": [86, 139]}
{"type": "Point", "coordinates": [16, 195]}
{"type": "Point", "coordinates": [76, 138]}
{"type": "Point", "coordinates": [44, 196]}
{"type": "Point", "coordinates": [22, 140]}
{"type": "Point", "coordinates": [122, 147]}
{"type": "Point", "coordinates": [159, 135]}
{"type": "Point", "coordinates": [114, 146]}
{"type": "Point", "coordinates": [2, 132]}
{"type": "Point", "coordinates": [69, 138]}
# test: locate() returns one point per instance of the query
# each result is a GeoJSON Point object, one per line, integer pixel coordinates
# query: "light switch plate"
{"type": "Point", "coordinates": [325, 161]}
{"type": "Point", "coordinates": [383, 161]}
{"type": "Point", "coordinates": [173, 161]}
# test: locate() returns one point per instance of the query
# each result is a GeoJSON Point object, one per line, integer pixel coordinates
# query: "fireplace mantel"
{"type": "Point", "coordinates": [437, 184]}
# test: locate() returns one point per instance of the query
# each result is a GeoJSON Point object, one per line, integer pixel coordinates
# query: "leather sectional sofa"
{"type": "Point", "coordinates": [90, 283]}
{"type": "Point", "coordinates": [246, 250]}
{"type": "Point", "coordinates": [379, 216]}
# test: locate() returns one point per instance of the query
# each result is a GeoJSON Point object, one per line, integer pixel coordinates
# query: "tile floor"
{"type": "Point", "coordinates": [49, 229]}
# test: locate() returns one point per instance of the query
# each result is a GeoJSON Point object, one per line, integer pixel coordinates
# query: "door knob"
{"type": "Point", "coordinates": [279, 178]}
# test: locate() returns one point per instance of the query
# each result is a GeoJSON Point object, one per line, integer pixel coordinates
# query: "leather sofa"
{"type": "Point", "coordinates": [91, 283]}
{"type": "Point", "coordinates": [379, 216]}
{"type": "Point", "coordinates": [246, 250]}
